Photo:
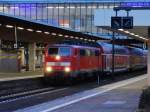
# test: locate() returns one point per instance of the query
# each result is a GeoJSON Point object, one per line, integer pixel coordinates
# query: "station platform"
{"type": "Point", "coordinates": [21, 75]}
{"type": "Point", "coordinates": [122, 96]}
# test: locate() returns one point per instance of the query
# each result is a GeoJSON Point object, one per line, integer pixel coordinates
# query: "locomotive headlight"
{"type": "Point", "coordinates": [67, 69]}
{"type": "Point", "coordinates": [57, 57]}
{"type": "Point", "coordinates": [49, 69]}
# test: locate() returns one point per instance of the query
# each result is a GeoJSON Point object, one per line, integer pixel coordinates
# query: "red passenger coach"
{"type": "Point", "coordinates": [121, 57]}
{"type": "Point", "coordinates": [70, 60]}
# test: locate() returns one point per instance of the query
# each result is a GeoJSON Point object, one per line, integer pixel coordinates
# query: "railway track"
{"type": "Point", "coordinates": [28, 94]}
{"type": "Point", "coordinates": [22, 92]}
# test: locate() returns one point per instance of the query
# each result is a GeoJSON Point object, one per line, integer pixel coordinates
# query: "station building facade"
{"type": "Point", "coordinates": [76, 15]}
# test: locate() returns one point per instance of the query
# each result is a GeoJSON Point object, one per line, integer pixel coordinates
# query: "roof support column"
{"type": "Point", "coordinates": [32, 55]}
{"type": "Point", "coordinates": [148, 59]}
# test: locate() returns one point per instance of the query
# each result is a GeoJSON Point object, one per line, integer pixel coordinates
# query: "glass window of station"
{"type": "Point", "coordinates": [74, 16]}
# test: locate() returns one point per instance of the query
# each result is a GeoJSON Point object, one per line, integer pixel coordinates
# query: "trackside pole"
{"type": "Point", "coordinates": [98, 79]}
{"type": "Point", "coordinates": [113, 54]}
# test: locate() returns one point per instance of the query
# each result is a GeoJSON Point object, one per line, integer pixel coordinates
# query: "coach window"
{"type": "Point", "coordinates": [88, 52]}
{"type": "Point", "coordinates": [97, 53]}
{"type": "Point", "coordinates": [92, 52]}
{"type": "Point", "coordinates": [82, 52]}
{"type": "Point", "coordinates": [76, 52]}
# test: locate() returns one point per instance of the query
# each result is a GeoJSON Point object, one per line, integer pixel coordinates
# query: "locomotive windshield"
{"type": "Point", "coordinates": [62, 51]}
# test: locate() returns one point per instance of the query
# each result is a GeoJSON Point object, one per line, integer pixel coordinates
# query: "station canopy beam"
{"type": "Point", "coordinates": [33, 31]}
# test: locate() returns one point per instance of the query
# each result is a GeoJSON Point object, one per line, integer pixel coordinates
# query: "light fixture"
{"type": "Point", "coordinates": [20, 28]}
{"type": "Point", "coordinates": [82, 7]}
{"type": "Point", "coordinates": [47, 33]}
{"type": "Point", "coordinates": [142, 38]}
{"type": "Point", "coordinates": [54, 34]}
{"type": "Point", "coordinates": [39, 31]}
{"type": "Point", "coordinates": [71, 7]}
{"type": "Point", "coordinates": [14, 7]}
{"type": "Point", "coordinates": [71, 37]}
{"type": "Point", "coordinates": [81, 38]}
{"type": "Point", "coordinates": [31, 30]}
{"type": "Point", "coordinates": [60, 35]}
{"type": "Point", "coordinates": [59, 7]}
{"type": "Point", "coordinates": [136, 35]}
{"type": "Point", "coordinates": [111, 6]}
{"type": "Point", "coordinates": [66, 36]}
{"type": "Point", "coordinates": [126, 31]}
{"type": "Point", "coordinates": [9, 26]}
{"type": "Point", "coordinates": [121, 29]}
{"type": "Point", "coordinates": [49, 7]}
{"type": "Point", "coordinates": [76, 37]}
{"type": "Point", "coordinates": [2, 8]}
{"type": "Point", "coordinates": [132, 34]}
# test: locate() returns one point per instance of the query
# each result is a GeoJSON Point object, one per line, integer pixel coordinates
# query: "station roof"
{"type": "Point", "coordinates": [138, 33]}
{"type": "Point", "coordinates": [32, 31]}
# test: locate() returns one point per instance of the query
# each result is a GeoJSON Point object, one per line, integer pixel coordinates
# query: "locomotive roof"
{"type": "Point", "coordinates": [75, 46]}
{"type": "Point", "coordinates": [107, 48]}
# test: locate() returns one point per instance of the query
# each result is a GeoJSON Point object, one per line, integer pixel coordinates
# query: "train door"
{"type": "Point", "coordinates": [103, 62]}
{"type": "Point", "coordinates": [76, 60]}
{"type": "Point", "coordinates": [106, 62]}
{"type": "Point", "coordinates": [99, 60]}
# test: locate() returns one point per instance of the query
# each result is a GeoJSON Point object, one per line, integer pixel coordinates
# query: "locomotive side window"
{"type": "Point", "coordinates": [64, 51]}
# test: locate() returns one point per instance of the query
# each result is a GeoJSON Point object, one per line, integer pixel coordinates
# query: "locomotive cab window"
{"type": "Point", "coordinates": [52, 51]}
{"type": "Point", "coordinates": [62, 51]}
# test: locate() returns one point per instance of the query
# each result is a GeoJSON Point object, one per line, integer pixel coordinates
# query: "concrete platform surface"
{"type": "Point", "coordinates": [20, 75]}
{"type": "Point", "coordinates": [121, 96]}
